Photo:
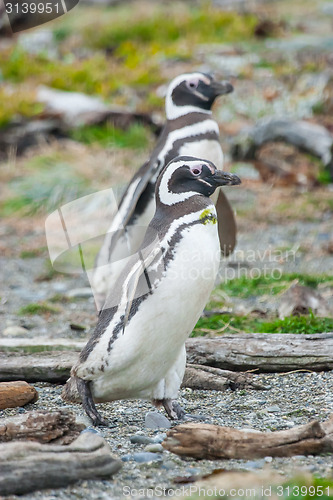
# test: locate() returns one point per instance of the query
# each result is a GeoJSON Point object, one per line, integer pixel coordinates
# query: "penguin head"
{"type": "Point", "coordinates": [186, 176]}
{"type": "Point", "coordinates": [193, 92]}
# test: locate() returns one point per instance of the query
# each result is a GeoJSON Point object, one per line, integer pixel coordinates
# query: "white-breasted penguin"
{"type": "Point", "coordinates": [189, 130]}
{"type": "Point", "coordinates": [137, 350]}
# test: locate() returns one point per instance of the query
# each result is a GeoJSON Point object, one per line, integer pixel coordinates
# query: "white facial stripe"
{"type": "Point", "coordinates": [173, 111]}
{"type": "Point", "coordinates": [204, 182]}
{"type": "Point", "coordinates": [201, 95]}
{"type": "Point", "coordinates": [166, 196]}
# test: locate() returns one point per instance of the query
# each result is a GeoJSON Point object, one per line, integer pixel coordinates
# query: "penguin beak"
{"type": "Point", "coordinates": [226, 179]}
{"type": "Point", "coordinates": [221, 88]}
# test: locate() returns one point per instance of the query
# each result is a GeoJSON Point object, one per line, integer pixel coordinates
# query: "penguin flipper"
{"type": "Point", "coordinates": [226, 222]}
{"type": "Point", "coordinates": [139, 283]}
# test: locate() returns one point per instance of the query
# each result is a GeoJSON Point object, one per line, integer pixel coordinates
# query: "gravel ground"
{"type": "Point", "coordinates": [293, 399]}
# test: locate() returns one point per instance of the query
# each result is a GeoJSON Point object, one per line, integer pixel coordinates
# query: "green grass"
{"type": "Point", "coordinates": [33, 253]}
{"type": "Point", "coordinates": [136, 137]}
{"type": "Point", "coordinates": [162, 25]}
{"type": "Point", "coordinates": [126, 47]}
{"type": "Point", "coordinates": [44, 191]}
{"type": "Point", "coordinates": [95, 74]}
{"type": "Point", "coordinates": [244, 287]}
{"type": "Point", "coordinates": [228, 323]}
{"type": "Point", "coordinates": [18, 103]}
{"type": "Point", "coordinates": [38, 308]}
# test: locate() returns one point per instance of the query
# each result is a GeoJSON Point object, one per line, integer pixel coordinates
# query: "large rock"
{"type": "Point", "coordinates": [307, 136]}
{"type": "Point", "coordinates": [13, 394]}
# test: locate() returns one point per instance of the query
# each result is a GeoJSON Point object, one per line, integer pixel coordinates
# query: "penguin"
{"type": "Point", "coordinates": [189, 130]}
{"type": "Point", "coordinates": [137, 350]}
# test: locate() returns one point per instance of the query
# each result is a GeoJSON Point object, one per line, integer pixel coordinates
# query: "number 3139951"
{"type": "Point", "coordinates": [300, 491]}
{"type": "Point", "coordinates": [32, 8]}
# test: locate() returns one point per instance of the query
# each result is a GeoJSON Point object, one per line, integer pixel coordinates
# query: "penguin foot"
{"type": "Point", "coordinates": [88, 404]}
{"type": "Point", "coordinates": [173, 409]}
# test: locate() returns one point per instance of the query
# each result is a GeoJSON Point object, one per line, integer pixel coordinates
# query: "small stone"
{"type": "Point", "coordinates": [159, 438]}
{"type": "Point", "coordinates": [137, 439]}
{"type": "Point", "coordinates": [146, 456]}
{"type": "Point", "coordinates": [273, 409]}
{"type": "Point", "coordinates": [154, 448]}
{"type": "Point", "coordinates": [15, 330]}
{"type": "Point", "coordinates": [268, 459]}
{"type": "Point", "coordinates": [254, 464]}
{"type": "Point", "coordinates": [83, 420]}
{"type": "Point", "coordinates": [155, 420]}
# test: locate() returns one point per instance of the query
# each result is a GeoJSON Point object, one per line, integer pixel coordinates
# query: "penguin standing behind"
{"type": "Point", "coordinates": [189, 130]}
{"type": "Point", "coordinates": [138, 347]}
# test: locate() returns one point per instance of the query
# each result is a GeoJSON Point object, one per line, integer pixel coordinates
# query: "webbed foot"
{"type": "Point", "coordinates": [88, 404]}
{"type": "Point", "coordinates": [173, 409]}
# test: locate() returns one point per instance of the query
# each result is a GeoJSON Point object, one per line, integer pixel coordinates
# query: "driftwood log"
{"type": "Point", "coordinates": [214, 379]}
{"type": "Point", "coordinates": [41, 426]}
{"type": "Point", "coordinates": [51, 361]}
{"type": "Point", "coordinates": [28, 466]}
{"type": "Point", "coordinates": [265, 352]}
{"type": "Point", "coordinates": [217, 442]}
{"type": "Point", "coordinates": [13, 394]}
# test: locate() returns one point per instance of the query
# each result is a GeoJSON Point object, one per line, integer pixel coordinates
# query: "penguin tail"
{"type": "Point", "coordinates": [70, 391]}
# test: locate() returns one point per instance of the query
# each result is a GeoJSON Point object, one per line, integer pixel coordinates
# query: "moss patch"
{"type": "Point", "coordinates": [17, 103]}
{"type": "Point", "coordinates": [228, 323]}
{"type": "Point", "coordinates": [44, 191]}
{"type": "Point", "coordinates": [244, 287]}
{"type": "Point", "coordinates": [38, 308]}
{"type": "Point", "coordinates": [136, 137]}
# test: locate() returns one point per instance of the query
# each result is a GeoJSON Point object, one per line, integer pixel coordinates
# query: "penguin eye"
{"type": "Point", "coordinates": [196, 170]}
{"type": "Point", "coordinates": [192, 84]}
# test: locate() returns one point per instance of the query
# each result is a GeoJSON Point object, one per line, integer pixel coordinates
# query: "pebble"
{"type": "Point", "coordinates": [138, 439]}
{"type": "Point", "coordinates": [154, 448]}
{"type": "Point", "coordinates": [254, 464]}
{"type": "Point", "coordinates": [155, 420]}
{"type": "Point", "coordinates": [273, 409]}
{"type": "Point", "coordinates": [142, 457]}
{"type": "Point", "coordinates": [159, 438]}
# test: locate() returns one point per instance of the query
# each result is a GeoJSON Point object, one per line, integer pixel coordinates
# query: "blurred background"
{"type": "Point", "coordinates": [81, 105]}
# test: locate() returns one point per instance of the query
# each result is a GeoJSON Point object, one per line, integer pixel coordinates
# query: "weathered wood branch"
{"type": "Point", "coordinates": [216, 442]}
{"type": "Point", "coordinates": [13, 394]}
{"type": "Point", "coordinates": [40, 426]}
{"type": "Point", "coordinates": [27, 466]}
{"type": "Point", "coordinates": [44, 366]}
{"type": "Point", "coordinates": [214, 379]}
{"type": "Point", "coordinates": [265, 352]}
{"type": "Point", "coordinates": [43, 361]}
